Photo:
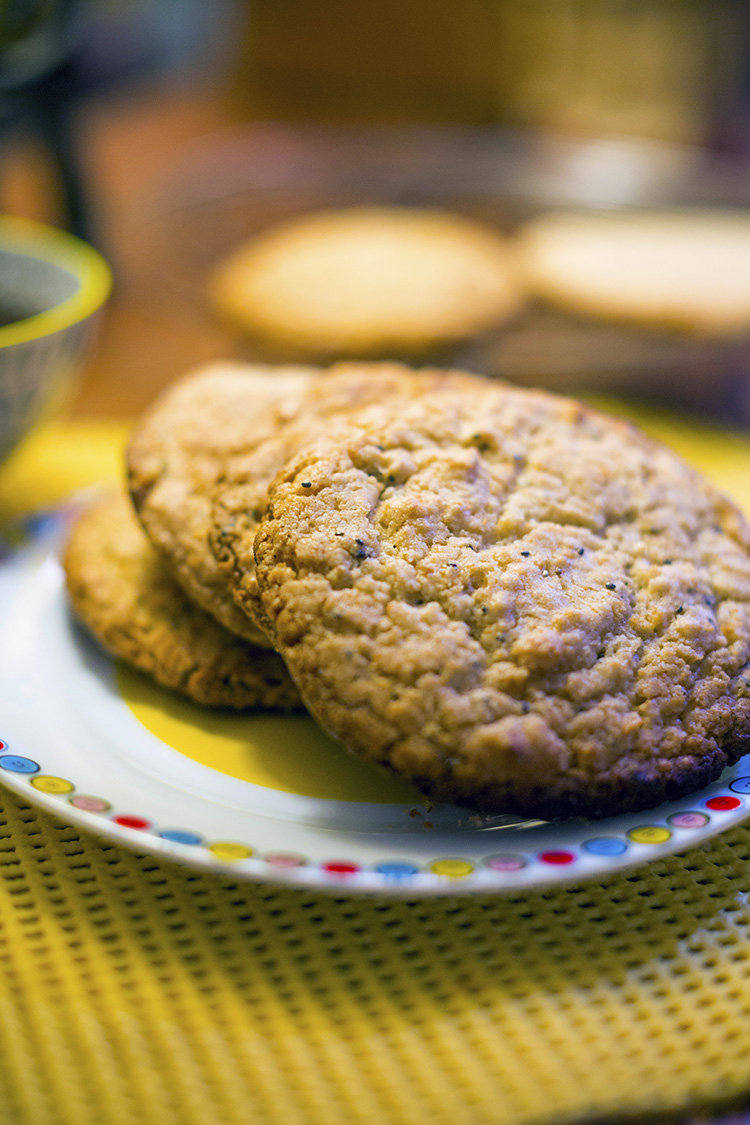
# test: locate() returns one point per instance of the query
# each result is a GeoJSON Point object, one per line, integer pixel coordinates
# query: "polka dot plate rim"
{"type": "Point", "coordinates": [70, 743]}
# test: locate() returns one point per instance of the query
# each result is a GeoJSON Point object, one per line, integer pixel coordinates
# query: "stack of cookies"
{"type": "Point", "coordinates": [513, 601]}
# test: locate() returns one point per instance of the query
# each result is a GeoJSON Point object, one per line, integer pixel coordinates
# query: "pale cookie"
{"type": "Point", "coordinates": [687, 270]}
{"type": "Point", "coordinates": [175, 453]}
{"type": "Point", "coordinates": [123, 593]}
{"type": "Point", "coordinates": [515, 602]}
{"type": "Point", "coordinates": [368, 282]}
{"type": "Point", "coordinates": [242, 488]}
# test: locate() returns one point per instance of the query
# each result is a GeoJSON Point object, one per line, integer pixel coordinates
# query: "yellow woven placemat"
{"type": "Point", "coordinates": [135, 991]}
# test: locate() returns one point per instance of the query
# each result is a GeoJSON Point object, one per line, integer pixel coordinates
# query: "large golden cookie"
{"type": "Point", "coordinates": [513, 601]}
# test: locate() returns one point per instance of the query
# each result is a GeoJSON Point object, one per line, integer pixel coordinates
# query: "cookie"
{"type": "Point", "coordinates": [368, 282]}
{"type": "Point", "coordinates": [513, 601]}
{"type": "Point", "coordinates": [231, 413]}
{"type": "Point", "coordinates": [241, 490]}
{"type": "Point", "coordinates": [173, 458]}
{"type": "Point", "coordinates": [686, 270]}
{"type": "Point", "coordinates": [123, 593]}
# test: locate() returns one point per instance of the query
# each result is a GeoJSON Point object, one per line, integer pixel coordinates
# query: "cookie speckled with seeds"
{"type": "Point", "coordinates": [241, 490]}
{"type": "Point", "coordinates": [122, 591]}
{"type": "Point", "coordinates": [513, 601]}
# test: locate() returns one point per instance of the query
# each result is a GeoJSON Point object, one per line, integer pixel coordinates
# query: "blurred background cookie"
{"type": "Point", "coordinates": [123, 593]}
{"type": "Point", "coordinates": [681, 269]}
{"type": "Point", "coordinates": [368, 281]}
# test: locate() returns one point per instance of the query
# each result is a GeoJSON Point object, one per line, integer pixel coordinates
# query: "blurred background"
{"type": "Point", "coordinates": [164, 131]}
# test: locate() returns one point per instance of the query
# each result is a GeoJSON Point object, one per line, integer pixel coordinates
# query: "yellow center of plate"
{"type": "Point", "coordinates": [285, 752]}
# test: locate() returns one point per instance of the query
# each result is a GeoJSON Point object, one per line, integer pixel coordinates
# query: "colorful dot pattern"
{"type": "Point", "coordinates": [47, 784]}
{"type": "Point", "coordinates": [688, 820]}
{"type": "Point", "coordinates": [649, 834]}
{"type": "Point", "coordinates": [177, 836]}
{"type": "Point", "coordinates": [285, 859]}
{"type": "Point", "coordinates": [227, 850]}
{"type": "Point", "coordinates": [723, 804]}
{"type": "Point", "coordinates": [452, 868]}
{"type": "Point", "coordinates": [90, 804]}
{"type": "Point", "coordinates": [605, 845]}
{"type": "Point", "coordinates": [337, 869]}
{"type": "Point", "coordinates": [557, 857]}
{"type": "Point", "coordinates": [505, 862]}
{"type": "Point", "coordinates": [15, 764]}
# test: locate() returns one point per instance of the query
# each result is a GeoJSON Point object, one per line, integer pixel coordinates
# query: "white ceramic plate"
{"type": "Point", "coordinates": [100, 747]}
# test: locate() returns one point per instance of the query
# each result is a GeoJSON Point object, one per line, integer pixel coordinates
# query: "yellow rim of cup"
{"type": "Point", "coordinates": [58, 248]}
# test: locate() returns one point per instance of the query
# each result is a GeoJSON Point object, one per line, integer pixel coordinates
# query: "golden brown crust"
{"type": "Point", "coordinates": [175, 454]}
{"type": "Point", "coordinates": [513, 601]}
{"type": "Point", "coordinates": [368, 282]}
{"type": "Point", "coordinates": [122, 591]}
{"type": "Point", "coordinates": [241, 491]}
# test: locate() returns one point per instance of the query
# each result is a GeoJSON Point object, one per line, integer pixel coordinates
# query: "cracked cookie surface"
{"type": "Point", "coordinates": [241, 490]}
{"type": "Point", "coordinates": [513, 601]}
{"type": "Point", "coordinates": [123, 593]}
{"type": "Point", "coordinates": [175, 454]}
